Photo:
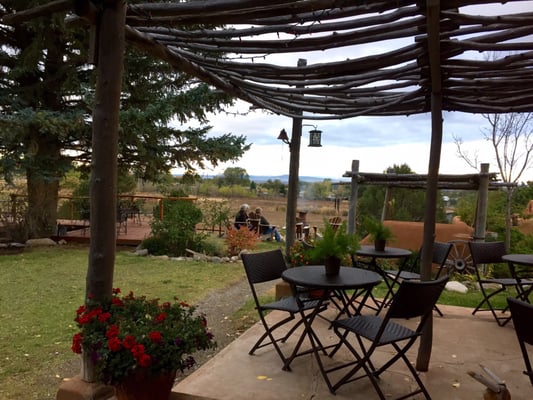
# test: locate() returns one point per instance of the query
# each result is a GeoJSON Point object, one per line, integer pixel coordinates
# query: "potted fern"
{"type": "Point", "coordinates": [334, 245]}
{"type": "Point", "coordinates": [378, 232]}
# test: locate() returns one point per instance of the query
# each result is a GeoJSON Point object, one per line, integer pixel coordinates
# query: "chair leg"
{"type": "Point", "coordinates": [438, 311]}
{"type": "Point", "coordinates": [528, 371]}
{"type": "Point", "coordinates": [501, 321]}
{"type": "Point", "coordinates": [269, 333]}
{"type": "Point", "coordinates": [362, 362]}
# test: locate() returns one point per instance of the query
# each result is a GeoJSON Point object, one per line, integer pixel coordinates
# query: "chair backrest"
{"type": "Point", "coordinates": [439, 256]}
{"type": "Point", "coordinates": [522, 315]}
{"type": "Point", "coordinates": [263, 267]}
{"type": "Point", "coordinates": [416, 298]}
{"type": "Point", "coordinates": [486, 253]}
{"type": "Point", "coordinates": [441, 251]}
{"type": "Point", "coordinates": [335, 222]}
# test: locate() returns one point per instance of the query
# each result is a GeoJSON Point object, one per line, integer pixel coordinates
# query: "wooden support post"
{"type": "Point", "coordinates": [294, 168]}
{"type": "Point", "coordinates": [352, 210]}
{"type": "Point", "coordinates": [482, 204]}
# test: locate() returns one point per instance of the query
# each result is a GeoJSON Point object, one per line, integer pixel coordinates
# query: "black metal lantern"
{"type": "Point", "coordinates": [314, 138]}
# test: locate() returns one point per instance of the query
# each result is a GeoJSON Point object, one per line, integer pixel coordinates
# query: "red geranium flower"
{"type": "Point", "coordinates": [112, 332]}
{"type": "Point", "coordinates": [76, 343]}
{"type": "Point", "coordinates": [129, 342]}
{"type": "Point", "coordinates": [137, 350]}
{"type": "Point", "coordinates": [161, 317]}
{"type": "Point", "coordinates": [144, 360]}
{"type": "Point", "coordinates": [155, 337]}
{"type": "Point", "coordinates": [114, 344]}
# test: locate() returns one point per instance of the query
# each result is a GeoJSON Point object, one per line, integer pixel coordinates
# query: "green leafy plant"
{"type": "Point", "coordinates": [175, 232]}
{"type": "Point", "coordinates": [377, 230]}
{"type": "Point", "coordinates": [129, 333]}
{"type": "Point", "coordinates": [335, 242]}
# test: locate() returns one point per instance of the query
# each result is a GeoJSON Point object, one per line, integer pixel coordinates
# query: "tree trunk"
{"type": "Point", "coordinates": [43, 186]}
{"type": "Point", "coordinates": [42, 205]}
{"type": "Point", "coordinates": [110, 60]}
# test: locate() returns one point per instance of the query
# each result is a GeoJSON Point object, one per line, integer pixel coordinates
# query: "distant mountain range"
{"type": "Point", "coordinates": [284, 178]}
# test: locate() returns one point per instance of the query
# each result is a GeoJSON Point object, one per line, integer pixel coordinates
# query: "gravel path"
{"type": "Point", "coordinates": [219, 307]}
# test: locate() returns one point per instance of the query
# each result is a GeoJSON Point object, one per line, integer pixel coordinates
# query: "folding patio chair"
{"type": "Point", "coordinates": [265, 267]}
{"type": "Point", "coordinates": [522, 316]}
{"type": "Point", "coordinates": [414, 299]}
{"type": "Point", "coordinates": [490, 253]}
{"type": "Point", "coordinates": [409, 271]}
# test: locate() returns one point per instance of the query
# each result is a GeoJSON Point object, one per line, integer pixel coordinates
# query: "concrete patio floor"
{"type": "Point", "coordinates": [461, 343]}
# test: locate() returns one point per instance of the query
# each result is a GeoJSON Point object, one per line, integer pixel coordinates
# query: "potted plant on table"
{"type": "Point", "coordinates": [378, 232]}
{"type": "Point", "coordinates": [334, 245]}
{"type": "Point", "coordinates": [134, 342]}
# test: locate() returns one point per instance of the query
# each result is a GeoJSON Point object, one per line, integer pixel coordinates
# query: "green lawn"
{"type": "Point", "coordinates": [40, 291]}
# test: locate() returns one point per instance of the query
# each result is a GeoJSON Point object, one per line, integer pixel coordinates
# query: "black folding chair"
{"type": "Point", "coordinates": [491, 253]}
{"type": "Point", "coordinates": [265, 267]}
{"type": "Point", "coordinates": [414, 299]}
{"type": "Point", "coordinates": [522, 316]}
{"type": "Point", "coordinates": [409, 271]}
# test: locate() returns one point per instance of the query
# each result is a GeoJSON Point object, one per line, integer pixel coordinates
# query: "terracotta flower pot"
{"type": "Point", "coordinates": [141, 386]}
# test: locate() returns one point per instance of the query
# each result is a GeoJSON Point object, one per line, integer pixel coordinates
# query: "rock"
{"type": "Point", "coordinates": [40, 242]}
{"type": "Point", "coordinates": [455, 286]}
{"type": "Point", "coordinates": [141, 252]}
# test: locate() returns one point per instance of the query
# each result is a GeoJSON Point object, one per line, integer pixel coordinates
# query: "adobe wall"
{"type": "Point", "coordinates": [408, 235]}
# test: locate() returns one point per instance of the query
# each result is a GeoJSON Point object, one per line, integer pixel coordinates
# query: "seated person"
{"type": "Point", "coordinates": [241, 219]}
{"type": "Point", "coordinates": [264, 226]}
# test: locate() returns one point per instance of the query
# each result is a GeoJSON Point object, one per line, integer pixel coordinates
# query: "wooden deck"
{"type": "Point", "coordinates": [130, 234]}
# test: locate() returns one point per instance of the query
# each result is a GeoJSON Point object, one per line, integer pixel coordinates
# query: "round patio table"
{"type": "Point", "coordinates": [522, 274]}
{"type": "Point", "coordinates": [314, 277]}
{"type": "Point", "coordinates": [388, 253]}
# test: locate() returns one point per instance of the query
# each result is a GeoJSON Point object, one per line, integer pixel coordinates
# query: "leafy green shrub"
{"type": "Point", "coordinates": [216, 214]}
{"type": "Point", "coordinates": [176, 231]}
{"type": "Point", "coordinates": [155, 245]}
{"type": "Point", "coordinates": [213, 246]}
{"type": "Point", "coordinates": [240, 239]}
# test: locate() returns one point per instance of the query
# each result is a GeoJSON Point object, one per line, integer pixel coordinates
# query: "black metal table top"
{"type": "Point", "coordinates": [389, 252]}
{"type": "Point", "coordinates": [522, 259]}
{"type": "Point", "coordinates": [315, 276]}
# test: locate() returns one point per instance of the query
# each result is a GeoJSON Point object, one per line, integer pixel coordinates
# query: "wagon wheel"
{"type": "Point", "coordinates": [459, 259]}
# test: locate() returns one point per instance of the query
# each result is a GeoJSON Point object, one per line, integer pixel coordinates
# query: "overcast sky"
{"type": "Point", "coordinates": [377, 142]}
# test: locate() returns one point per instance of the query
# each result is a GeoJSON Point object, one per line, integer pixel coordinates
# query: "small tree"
{"type": "Point", "coordinates": [175, 233]}
{"type": "Point", "coordinates": [511, 136]}
{"type": "Point", "coordinates": [216, 214]}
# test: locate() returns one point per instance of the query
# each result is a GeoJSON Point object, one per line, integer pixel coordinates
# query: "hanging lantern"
{"type": "Point", "coordinates": [314, 138]}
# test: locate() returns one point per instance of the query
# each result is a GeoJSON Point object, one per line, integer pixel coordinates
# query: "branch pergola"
{"type": "Point", "coordinates": [394, 82]}
{"type": "Point", "coordinates": [432, 66]}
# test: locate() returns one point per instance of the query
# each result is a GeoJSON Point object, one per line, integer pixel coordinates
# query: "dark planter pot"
{"type": "Point", "coordinates": [333, 265]}
{"type": "Point", "coordinates": [141, 386]}
{"type": "Point", "coordinates": [379, 245]}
